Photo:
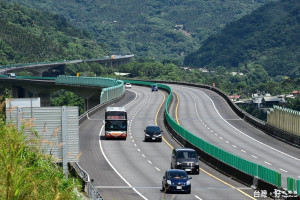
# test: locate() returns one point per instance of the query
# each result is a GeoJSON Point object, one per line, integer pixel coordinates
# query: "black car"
{"type": "Point", "coordinates": [154, 87]}
{"type": "Point", "coordinates": [186, 159]}
{"type": "Point", "coordinates": [153, 133]}
{"type": "Point", "coordinates": [176, 180]}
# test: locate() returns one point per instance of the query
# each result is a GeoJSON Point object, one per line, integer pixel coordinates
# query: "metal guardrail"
{"type": "Point", "coordinates": [90, 189]}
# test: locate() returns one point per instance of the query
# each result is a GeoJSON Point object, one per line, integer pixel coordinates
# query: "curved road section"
{"type": "Point", "coordinates": [133, 169]}
{"type": "Point", "coordinates": [207, 115]}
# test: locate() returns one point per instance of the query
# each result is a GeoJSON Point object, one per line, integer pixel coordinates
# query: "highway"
{"type": "Point", "coordinates": [207, 115]}
{"type": "Point", "coordinates": [133, 169]}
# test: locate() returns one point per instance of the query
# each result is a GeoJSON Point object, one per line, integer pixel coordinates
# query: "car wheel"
{"type": "Point", "coordinates": [160, 140]}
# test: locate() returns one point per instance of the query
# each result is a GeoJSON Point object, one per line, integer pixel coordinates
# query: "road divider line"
{"type": "Point", "coordinates": [215, 176]}
{"type": "Point", "coordinates": [244, 193]}
{"type": "Point", "coordinates": [159, 109]}
{"type": "Point", "coordinates": [111, 165]}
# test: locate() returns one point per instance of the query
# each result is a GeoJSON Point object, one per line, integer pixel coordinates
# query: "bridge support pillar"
{"type": "Point", "coordinates": [91, 102]}
{"type": "Point", "coordinates": [45, 99]}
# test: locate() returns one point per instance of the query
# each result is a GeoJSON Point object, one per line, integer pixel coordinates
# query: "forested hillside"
{"type": "Point", "coordinates": [29, 35]}
{"type": "Point", "coordinates": [154, 29]}
{"type": "Point", "coordinates": [270, 37]}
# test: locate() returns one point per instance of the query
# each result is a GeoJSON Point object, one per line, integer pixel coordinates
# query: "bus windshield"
{"type": "Point", "coordinates": [115, 115]}
{"type": "Point", "coordinates": [116, 125]}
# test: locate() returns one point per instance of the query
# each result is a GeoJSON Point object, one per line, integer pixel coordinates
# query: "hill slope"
{"type": "Point", "coordinates": [269, 37]}
{"type": "Point", "coordinates": [156, 29]}
{"type": "Point", "coordinates": [29, 35]}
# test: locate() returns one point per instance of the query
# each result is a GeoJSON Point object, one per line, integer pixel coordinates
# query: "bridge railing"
{"type": "Point", "coordinates": [29, 64]}
{"type": "Point", "coordinates": [112, 88]}
{"type": "Point", "coordinates": [66, 61]}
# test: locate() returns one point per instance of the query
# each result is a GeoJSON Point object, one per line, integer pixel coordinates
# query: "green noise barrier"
{"type": "Point", "coordinates": [293, 185]}
{"type": "Point", "coordinates": [112, 88]}
{"type": "Point", "coordinates": [248, 167]}
{"type": "Point", "coordinates": [298, 187]}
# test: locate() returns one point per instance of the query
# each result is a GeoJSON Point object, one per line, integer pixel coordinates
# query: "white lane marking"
{"type": "Point", "coordinates": [130, 129]}
{"type": "Point", "coordinates": [283, 170]}
{"type": "Point", "coordinates": [132, 100]}
{"type": "Point", "coordinates": [254, 156]}
{"type": "Point", "coordinates": [272, 148]}
{"type": "Point", "coordinates": [234, 146]}
{"type": "Point", "coordinates": [243, 151]}
{"type": "Point", "coordinates": [221, 138]}
{"type": "Point", "coordinates": [197, 197]}
{"type": "Point", "coordinates": [112, 187]}
{"type": "Point", "coordinates": [227, 142]}
{"type": "Point", "coordinates": [267, 163]}
{"type": "Point", "coordinates": [111, 165]}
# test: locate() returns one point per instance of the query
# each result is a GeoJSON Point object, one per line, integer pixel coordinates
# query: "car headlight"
{"type": "Point", "coordinates": [196, 163]}
{"type": "Point", "coordinates": [178, 163]}
{"type": "Point", "coordinates": [188, 182]}
{"type": "Point", "coordinates": [169, 182]}
{"type": "Point", "coordinates": [147, 135]}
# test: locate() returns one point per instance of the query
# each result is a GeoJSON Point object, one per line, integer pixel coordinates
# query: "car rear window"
{"type": "Point", "coordinates": [177, 174]}
{"type": "Point", "coordinates": [153, 129]}
{"type": "Point", "coordinates": [186, 154]}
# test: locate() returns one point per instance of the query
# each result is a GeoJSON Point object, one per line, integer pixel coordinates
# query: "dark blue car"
{"type": "Point", "coordinates": [154, 87]}
{"type": "Point", "coordinates": [153, 133]}
{"type": "Point", "coordinates": [176, 180]}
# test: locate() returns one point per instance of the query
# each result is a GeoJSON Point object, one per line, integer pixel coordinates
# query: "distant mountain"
{"type": "Point", "coordinates": [29, 35]}
{"type": "Point", "coordinates": [269, 36]}
{"type": "Point", "coordinates": [154, 29]}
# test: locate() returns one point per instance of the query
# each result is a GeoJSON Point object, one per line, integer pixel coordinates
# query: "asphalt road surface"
{"type": "Point", "coordinates": [133, 169]}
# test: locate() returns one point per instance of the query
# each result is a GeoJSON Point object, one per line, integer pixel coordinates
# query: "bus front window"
{"type": "Point", "coordinates": [116, 125]}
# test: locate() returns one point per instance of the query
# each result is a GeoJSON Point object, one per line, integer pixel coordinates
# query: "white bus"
{"type": "Point", "coordinates": [115, 123]}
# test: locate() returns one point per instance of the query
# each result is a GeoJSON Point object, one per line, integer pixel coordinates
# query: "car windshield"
{"type": "Point", "coordinates": [177, 175]}
{"type": "Point", "coordinates": [186, 154]}
{"type": "Point", "coordinates": [153, 129]}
